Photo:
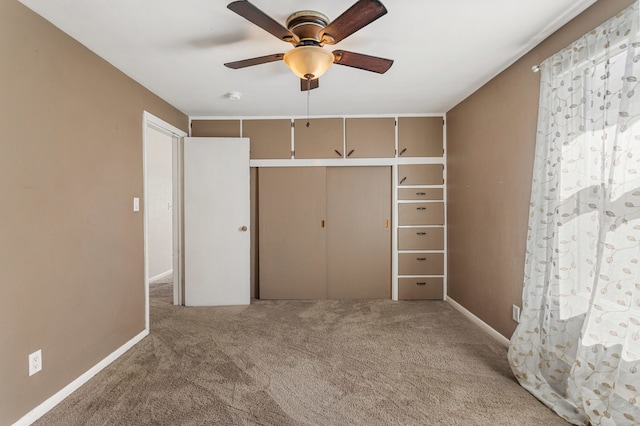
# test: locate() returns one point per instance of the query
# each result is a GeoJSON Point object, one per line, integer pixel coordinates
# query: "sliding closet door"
{"type": "Point", "coordinates": [292, 239]}
{"type": "Point", "coordinates": [359, 232]}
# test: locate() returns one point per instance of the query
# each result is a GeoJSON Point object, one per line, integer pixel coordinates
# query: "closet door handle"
{"type": "Point", "coordinates": [402, 180]}
{"type": "Point", "coordinates": [421, 258]}
{"type": "Point", "coordinates": [402, 152]}
{"type": "Point", "coordinates": [338, 152]}
{"type": "Point", "coordinates": [351, 152]}
{"type": "Point", "coordinates": [322, 223]}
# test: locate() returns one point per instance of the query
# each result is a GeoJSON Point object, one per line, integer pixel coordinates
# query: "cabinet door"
{"type": "Point", "coordinates": [216, 128]}
{"type": "Point", "coordinates": [420, 136]}
{"type": "Point", "coordinates": [420, 174]}
{"type": "Point", "coordinates": [322, 139]}
{"type": "Point", "coordinates": [292, 238]}
{"type": "Point", "coordinates": [359, 232]}
{"type": "Point", "coordinates": [269, 139]}
{"type": "Point", "coordinates": [370, 137]}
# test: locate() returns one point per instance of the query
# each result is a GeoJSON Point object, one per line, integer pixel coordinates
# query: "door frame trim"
{"type": "Point", "coordinates": [151, 121]}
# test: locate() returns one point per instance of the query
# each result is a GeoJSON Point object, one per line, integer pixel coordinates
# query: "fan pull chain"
{"type": "Point", "coordinates": [309, 76]}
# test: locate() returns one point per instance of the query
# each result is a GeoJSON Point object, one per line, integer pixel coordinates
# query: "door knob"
{"type": "Point", "coordinates": [243, 229]}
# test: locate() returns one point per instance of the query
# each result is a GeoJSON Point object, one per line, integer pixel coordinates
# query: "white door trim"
{"type": "Point", "coordinates": [151, 121]}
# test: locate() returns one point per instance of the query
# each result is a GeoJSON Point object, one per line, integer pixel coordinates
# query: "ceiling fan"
{"type": "Point", "coordinates": [308, 31]}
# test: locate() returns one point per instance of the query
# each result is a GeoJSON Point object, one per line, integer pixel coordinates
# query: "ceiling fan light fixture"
{"type": "Point", "coordinates": [307, 61]}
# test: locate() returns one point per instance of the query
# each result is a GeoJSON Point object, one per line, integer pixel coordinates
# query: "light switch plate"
{"type": "Point", "coordinates": [136, 204]}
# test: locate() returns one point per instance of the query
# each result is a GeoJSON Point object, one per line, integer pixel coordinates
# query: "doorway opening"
{"type": "Point", "coordinates": [162, 158]}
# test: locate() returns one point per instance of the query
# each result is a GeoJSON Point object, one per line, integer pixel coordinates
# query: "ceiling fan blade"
{"type": "Point", "coordinates": [362, 13]}
{"type": "Point", "coordinates": [261, 19]}
{"type": "Point", "coordinates": [363, 62]}
{"type": "Point", "coordinates": [314, 84]}
{"type": "Point", "coordinates": [254, 61]}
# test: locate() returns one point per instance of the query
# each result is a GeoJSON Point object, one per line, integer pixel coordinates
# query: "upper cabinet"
{"type": "Point", "coordinates": [322, 139]}
{"type": "Point", "coordinates": [420, 137]}
{"type": "Point", "coordinates": [332, 138]}
{"type": "Point", "coordinates": [269, 139]}
{"type": "Point", "coordinates": [370, 137]}
{"type": "Point", "coordinates": [215, 128]}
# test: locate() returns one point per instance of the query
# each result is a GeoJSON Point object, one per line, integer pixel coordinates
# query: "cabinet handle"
{"type": "Point", "coordinates": [421, 233]}
{"type": "Point", "coordinates": [421, 283]}
{"type": "Point", "coordinates": [402, 180]}
{"type": "Point", "coordinates": [421, 258]}
{"type": "Point", "coordinates": [322, 223]}
{"type": "Point", "coordinates": [420, 193]}
{"type": "Point", "coordinates": [421, 208]}
{"type": "Point", "coordinates": [351, 152]}
{"type": "Point", "coordinates": [402, 152]}
{"type": "Point", "coordinates": [338, 152]}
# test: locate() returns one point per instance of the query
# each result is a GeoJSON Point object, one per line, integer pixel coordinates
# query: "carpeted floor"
{"type": "Point", "coordinates": [330, 362]}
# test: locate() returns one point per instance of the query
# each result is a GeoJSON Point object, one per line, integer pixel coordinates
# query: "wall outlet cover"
{"type": "Point", "coordinates": [515, 313]}
{"type": "Point", "coordinates": [35, 362]}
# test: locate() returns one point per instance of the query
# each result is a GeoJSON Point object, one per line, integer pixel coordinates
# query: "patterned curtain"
{"type": "Point", "coordinates": [577, 347]}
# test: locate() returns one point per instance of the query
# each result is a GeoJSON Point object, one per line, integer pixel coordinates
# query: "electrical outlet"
{"type": "Point", "coordinates": [515, 313]}
{"type": "Point", "coordinates": [35, 362]}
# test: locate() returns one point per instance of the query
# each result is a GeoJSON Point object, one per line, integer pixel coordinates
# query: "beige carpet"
{"type": "Point", "coordinates": [347, 362]}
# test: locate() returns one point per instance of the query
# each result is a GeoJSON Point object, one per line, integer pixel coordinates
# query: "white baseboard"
{"type": "Point", "coordinates": [47, 405]}
{"type": "Point", "coordinates": [477, 321]}
{"type": "Point", "coordinates": [162, 275]}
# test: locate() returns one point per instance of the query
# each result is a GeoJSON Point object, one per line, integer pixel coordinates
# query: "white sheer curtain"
{"type": "Point", "coordinates": [577, 347]}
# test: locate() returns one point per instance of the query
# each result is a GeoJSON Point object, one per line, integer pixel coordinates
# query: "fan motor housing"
{"type": "Point", "coordinates": [307, 25]}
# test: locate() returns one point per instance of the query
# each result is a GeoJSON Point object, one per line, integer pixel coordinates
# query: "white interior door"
{"type": "Point", "coordinates": [216, 221]}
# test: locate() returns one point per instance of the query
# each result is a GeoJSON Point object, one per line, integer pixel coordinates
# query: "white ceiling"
{"type": "Point", "coordinates": [443, 50]}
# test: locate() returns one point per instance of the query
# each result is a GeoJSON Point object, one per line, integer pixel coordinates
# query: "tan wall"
{"type": "Point", "coordinates": [71, 248]}
{"type": "Point", "coordinates": [490, 141]}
